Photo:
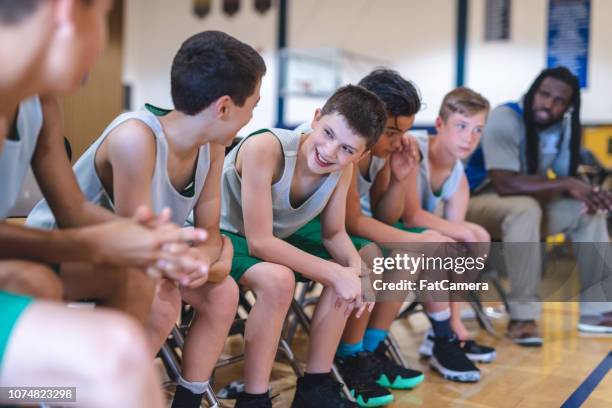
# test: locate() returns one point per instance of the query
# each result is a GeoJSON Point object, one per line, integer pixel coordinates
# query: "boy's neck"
{"type": "Point", "coordinates": [439, 156]}
{"type": "Point", "coordinates": [184, 138]}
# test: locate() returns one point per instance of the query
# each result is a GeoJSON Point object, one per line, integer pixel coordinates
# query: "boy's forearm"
{"type": "Point", "coordinates": [428, 220]}
{"type": "Point", "coordinates": [341, 248]}
{"type": "Point", "coordinates": [53, 246]}
{"type": "Point", "coordinates": [380, 232]}
{"type": "Point", "coordinates": [85, 214]}
{"type": "Point", "coordinates": [390, 206]}
{"type": "Point", "coordinates": [211, 249]}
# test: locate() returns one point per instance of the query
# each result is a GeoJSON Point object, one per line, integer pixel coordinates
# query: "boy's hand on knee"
{"type": "Point", "coordinates": [347, 284]}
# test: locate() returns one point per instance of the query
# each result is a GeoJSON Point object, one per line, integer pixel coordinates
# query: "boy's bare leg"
{"type": "Point", "coordinates": [165, 309]}
{"type": "Point", "coordinates": [273, 285]}
{"type": "Point", "coordinates": [215, 308]}
{"type": "Point", "coordinates": [458, 327]}
{"type": "Point", "coordinates": [101, 353]}
{"type": "Point", "coordinates": [31, 279]}
{"type": "Point", "coordinates": [325, 331]}
{"type": "Point", "coordinates": [126, 289]}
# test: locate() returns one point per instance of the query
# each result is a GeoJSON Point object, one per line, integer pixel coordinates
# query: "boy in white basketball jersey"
{"type": "Point", "coordinates": [284, 198]}
{"type": "Point", "coordinates": [174, 158]}
{"type": "Point", "coordinates": [440, 180]}
{"type": "Point", "coordinates": [47, 47]}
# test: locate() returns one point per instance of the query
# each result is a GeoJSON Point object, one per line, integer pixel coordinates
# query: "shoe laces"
{"type": "Point", "coordinates": [450, 345]}
{"type": "Point", "coordinates": [388, 366]}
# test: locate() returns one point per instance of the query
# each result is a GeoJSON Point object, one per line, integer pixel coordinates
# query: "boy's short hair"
{"type": "Point", "coordinates": [400, 96]}
{"type": "Point", "coordinates": [363, 111]}
{"type": "Point", "coordinates": [14, 11]}
{"type": "Point", "coordinates": [212, 64]}
{"type": "Point", "coordinates": [464, 101]}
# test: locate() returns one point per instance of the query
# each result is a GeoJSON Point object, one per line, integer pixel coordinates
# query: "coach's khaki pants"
{"type": "Point", "coordinates": [519, 219]}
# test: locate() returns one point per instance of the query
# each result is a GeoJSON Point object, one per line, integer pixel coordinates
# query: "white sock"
{"type": "Point", "coordinates": [440, 316]}
{"type": "Point", "coordinates": [196, 387]}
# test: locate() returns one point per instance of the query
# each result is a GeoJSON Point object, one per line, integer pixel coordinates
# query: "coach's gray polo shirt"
{"type": "Point", "coordinates": [504, 143]}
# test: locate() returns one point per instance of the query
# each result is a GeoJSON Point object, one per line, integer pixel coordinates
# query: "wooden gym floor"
{"type": "Point", "coordinates": [519, 377]}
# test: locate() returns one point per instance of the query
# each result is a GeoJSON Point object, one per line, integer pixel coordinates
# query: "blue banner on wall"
{"type": "Point", "coordinates": [568, 36]}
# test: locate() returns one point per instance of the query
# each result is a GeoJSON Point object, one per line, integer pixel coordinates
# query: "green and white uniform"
{"type": "Point", "coordinates": [298, 226]}
{"type": "Point", "coordinates": [15, 159]}
{"type": "Point", "coordinates": [163, 193]}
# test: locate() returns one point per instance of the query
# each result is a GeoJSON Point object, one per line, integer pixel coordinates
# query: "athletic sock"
{"type": "Point", "coordinates": [349, 349]}
{"type": "Point", "coordinates": [372, 339]}
{"type": "Point", "coordinates": [189, 394]}
{"type": "Point", "coordinates": [312, 380]}
{"type": "Point", "coordinates": [440, 323]}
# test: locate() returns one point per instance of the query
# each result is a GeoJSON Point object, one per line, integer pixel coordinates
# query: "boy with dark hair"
{"type": "Point", "coordinates": [521, 142]}
{"type": "Point", "coordinates": [48, 46]}
{"type": "Point", "coordinates": [174, 159]}
{"type": "Point", "coordinates": [374, 204]}
{"type": "Point", "coordinates": [440, 180]}
{"type": "Point", "coordinates": [276, 183]}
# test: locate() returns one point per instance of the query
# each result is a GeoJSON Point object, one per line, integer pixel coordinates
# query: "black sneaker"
{"type": "Point", "coordinates": [478, 352]}
{"type": "Point", "coordinates": [393, 375]}
{"type": "Point", "coordinates": [243, 401]}
{"type": "Point", "coordinates": [474, 351]}
{"type": "Point", "coordinates": [361, 373]}
{"type": "Point", "coordinates": [325, 395]}
{"type": "Point", "coordinates": [450, 361]}
{"type": "Point", "coordinates": [184, 398]}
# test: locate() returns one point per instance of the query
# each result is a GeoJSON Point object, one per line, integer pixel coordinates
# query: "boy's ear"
{"type": "Point", "coordinates": [222, 106]}
{"type": "Point", "coordinates": [364, 153]}
{"type": "Point", "coordinates": [439, 123]}
{"type": "Point", "coordinates": [315, 118]}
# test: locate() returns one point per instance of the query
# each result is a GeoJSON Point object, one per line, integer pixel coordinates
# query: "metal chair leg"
{"type": "Point", "coordinates": [173, 366]}
{"type": "Point", "coordinates": [211, 398]}
{"type": "Point", "coordinates": [284, 347]}
{"type": "Point", "coordinates": [481, 316]}
{"type": "Point", "coordinates": [395, 351]}
{"type": "Point", "coordinates": [345, 389]}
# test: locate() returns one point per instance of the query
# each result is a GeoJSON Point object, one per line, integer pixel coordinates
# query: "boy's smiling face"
{"type": "Point", "coordinates": [332, 144]}
{"type": "Point", "coordinates": [460, 133]}
{"type": "Point", "coordinates": [391, 139]}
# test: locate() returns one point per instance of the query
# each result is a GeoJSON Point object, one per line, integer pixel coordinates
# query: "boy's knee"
{"type": "Point", "coordinates": [279, 286]}
{"type": "Point", "coordinates": [222, 297]}
{"type": "Point", "coordinates": [35, 280]}
{"type": "Point", "coordinates": [166, 307]}
{"type": "Point", "coordinates": [123, 348]}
